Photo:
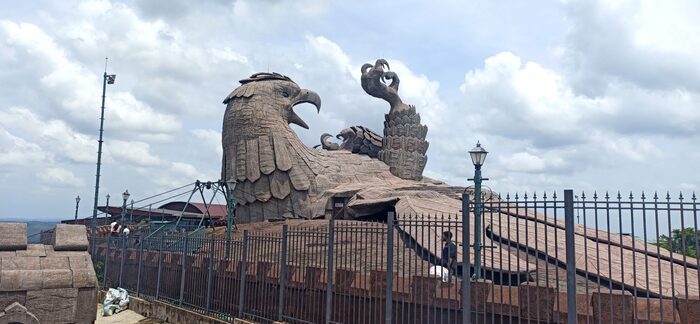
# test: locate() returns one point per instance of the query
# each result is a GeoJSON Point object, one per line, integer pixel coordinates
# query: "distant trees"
{"type": "Point", "coordinates": [684, 241]}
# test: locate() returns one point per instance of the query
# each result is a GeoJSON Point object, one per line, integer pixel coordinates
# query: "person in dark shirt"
{"type": "Point", "coordinates": [449, 252]}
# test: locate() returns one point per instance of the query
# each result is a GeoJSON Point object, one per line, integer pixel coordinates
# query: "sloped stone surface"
{"type": "Point", "coordinates": [70, 238]}
{"type": "Point", "coordinates": [13, 236]}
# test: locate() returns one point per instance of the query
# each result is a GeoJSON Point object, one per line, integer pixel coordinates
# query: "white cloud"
{"type": "Point", "coordinates": [59, 177]}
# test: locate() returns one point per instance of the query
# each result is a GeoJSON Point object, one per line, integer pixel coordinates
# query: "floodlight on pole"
{"type": "Point", "coordinates": [106, 79]}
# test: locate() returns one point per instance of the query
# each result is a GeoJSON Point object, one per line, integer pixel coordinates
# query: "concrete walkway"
{"type": "Point", "coordinates": [126, 317]}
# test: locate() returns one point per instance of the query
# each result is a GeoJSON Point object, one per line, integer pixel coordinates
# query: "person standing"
{"type": "Point", "coordinates": [449, 253]}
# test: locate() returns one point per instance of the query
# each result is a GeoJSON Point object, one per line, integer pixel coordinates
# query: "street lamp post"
{"type": "Point", "coordinates": [77, 201]}
{"type": "Point", "coordinates": [125, 196]}
{"type": "Point", "coordinates": [131, 212]}
{"type": "Point", "coordinates": [107, 212]}
{"type": "Point", "coordinates": [478, 155]}
{"type": "Point", "coordinates": [106, 79]}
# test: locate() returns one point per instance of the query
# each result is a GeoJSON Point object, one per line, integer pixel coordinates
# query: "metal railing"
{"type": "Point", "coordinates": [547, 258]}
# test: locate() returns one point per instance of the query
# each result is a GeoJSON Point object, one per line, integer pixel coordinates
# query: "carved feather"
{"type": "Point", "coordinates": [252, 161]}
{"type": "Point", "coordinates": [267, 156]}
{"type": "Point", "coordinates": [279, 184]}
{"type": "Point", "coordinates": [262, 189]}
{"type": "Point", "coordinates": [248, 191]}
{"type": "Point", "coordinates": [240, 160]}
{"type": "Point", "coordinates": [299, 179]}
{"type": "Point", "coordinates": [282, 158]}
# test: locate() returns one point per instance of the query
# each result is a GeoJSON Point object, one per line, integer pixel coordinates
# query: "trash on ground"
{"type": "Point", "coordinates": [116, 300]}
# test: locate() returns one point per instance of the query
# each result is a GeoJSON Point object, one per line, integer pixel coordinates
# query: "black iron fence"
{"type": "Point", "coordinates": [545, 258]}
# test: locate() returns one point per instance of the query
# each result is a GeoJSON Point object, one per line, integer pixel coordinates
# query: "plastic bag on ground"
{"type": "Point", "coordinates": [116, 300]}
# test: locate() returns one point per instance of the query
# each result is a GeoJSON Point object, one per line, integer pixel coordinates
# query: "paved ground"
{"type": "Point", "coordinates": [125, 317]}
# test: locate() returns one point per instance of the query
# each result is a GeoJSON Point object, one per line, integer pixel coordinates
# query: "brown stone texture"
{"type": "Point", "coordinates": [689, 309]}
{"type": "Point", "coordinates": [536, 302]}
{"type": "Point", "coordinates": [9, 297]}
{"type": "Point", "coordinates": [479, 292]}
{"type": "Point", "coordinates": [70, 238]}
{"type": "Point", "coordinates": [57, 284]}
{"type": "Point", "coordinates": [613, 307]}
{"type": "Point", "coordinates": [16, 313]}
{"type": "Point", "coordinates": [13, 236]}
{"type": "Point", "coordinates": [53, 305]}
{"type": "Point", "coordinates": [85, 309]}
{"type": "Point", "coordinates": [423, 289]}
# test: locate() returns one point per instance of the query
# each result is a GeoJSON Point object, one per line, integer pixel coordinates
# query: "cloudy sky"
{"type": "Point", "coordinates": [589, 95]}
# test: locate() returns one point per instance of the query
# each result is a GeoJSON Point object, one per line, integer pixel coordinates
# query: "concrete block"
{"type": "Point", "coordinates": [54, 262]}
{"type": "Point", "coordinates": [21, 263]}
{"type": "Point", "coordinates": [81, 261]}
{"type": "Point", "coordinates": [34, 250]}
{"type": "Point", "coordinates": [85, 305]}
{"type": "Point", "coordinates": [536, 302]}
{"type": "Point", "coordinates": [18, 280]}
{"type": "Point", "coordinates": [618, 300]}
{"type": "Point", "coordinates": [54, 305]}
{"type": "Point", "coordinates": [84, 278]}
{"type": "Point", "coordinates": [57, 278]}
{"type": "Point", "coordinates": [13, 236]}
{"type": "Point", "coordinates": [70, 238]}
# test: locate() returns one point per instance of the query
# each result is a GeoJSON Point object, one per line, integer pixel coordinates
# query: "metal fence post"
{"type": "Point", "coordinates": [283, 272]}
{"type": "Point", "coordinates": [183, 269]}
{"type": "Point", "coordinates": [570, 255]}
{"type": "Point", "coordinates": [466, 267]}
{"type": "Point", "coordinates": [104, 273]}
{"type": "Point", "coordinates": [329, 271]}
{"type": "Point", "coordinates": [160, 265]}
{"type": "Point", "coordinates": [243, 270]}
{"type": "Point", "coordinates": [138, 275]}
{"type": "Point", "coordinates": [210, 278]}
{"type": "Point", "coordinates": [389, 265]}
{"type": "Point", "coordinates": [121, 265]}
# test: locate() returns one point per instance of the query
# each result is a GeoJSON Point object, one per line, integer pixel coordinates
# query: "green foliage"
{"type": "Point", "coordinates": [681, 241]}
{"type": "Point", "coordinates": [99, 265]}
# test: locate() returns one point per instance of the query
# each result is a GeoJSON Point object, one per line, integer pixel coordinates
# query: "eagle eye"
{"type": "Point", "coordinates": [285, 94]}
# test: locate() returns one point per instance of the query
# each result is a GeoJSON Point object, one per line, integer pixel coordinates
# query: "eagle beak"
{"type": "Point", "coordinates": [304, 96]}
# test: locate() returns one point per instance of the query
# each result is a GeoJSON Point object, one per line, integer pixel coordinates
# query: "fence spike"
{"type": "Point", "coordinates": [607, 196]}
{"type": "Point", "coordinates": [631, 196]}
{"type": "Point", "coordinates": [554, 195]}
{"type": "Point", "coordinates": [583, 195]}
{"type": "Point", "coordinates": [693, 196]}
{"type": "Point", "coordinates": [668, 195]}
{"type": "Point", "coordinates": [619, 196]}
{"type": "Point", "coordinates": [680, 196]}
{"type": "Point", "coordinates": [507, 196]}
{"type": "Point", "coordinates": [595, 195]}
{"type": "Point", "coordinates": [643, 196]}
{"type": "Point", "coordinates": [656, 195]}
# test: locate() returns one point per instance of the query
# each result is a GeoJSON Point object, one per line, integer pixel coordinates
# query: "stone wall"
{"type": "Point", "coordinates": [54, 283]}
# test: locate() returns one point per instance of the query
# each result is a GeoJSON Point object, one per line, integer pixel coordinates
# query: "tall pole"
{"type": "Point", "coordinates": [99, 158]}
{"type": "Point", "coordinates": [121, 219]}
{"type": "Point", "coordinates": [477, 221]}
{"type": "Point", "coordinates": [131, 212]}
{"type": "Point", "coordinates": [77, 202]}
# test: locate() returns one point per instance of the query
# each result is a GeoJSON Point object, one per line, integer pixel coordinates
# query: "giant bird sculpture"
{"type": "Point", "coordinates": [277, 177]}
